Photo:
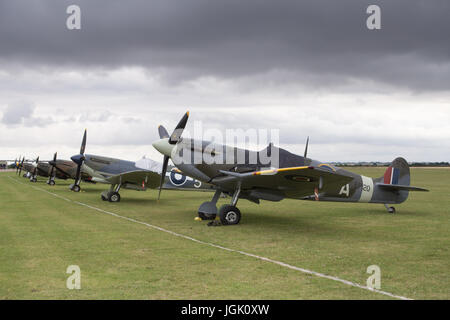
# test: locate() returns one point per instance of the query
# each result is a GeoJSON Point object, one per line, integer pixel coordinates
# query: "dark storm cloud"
{"type": "Point", "coordinates": [321, 43]}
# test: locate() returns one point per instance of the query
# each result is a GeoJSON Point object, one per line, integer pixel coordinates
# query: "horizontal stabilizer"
{"type": "Point", "coordinates": [395, 187]}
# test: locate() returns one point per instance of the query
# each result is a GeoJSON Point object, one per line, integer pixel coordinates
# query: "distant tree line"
{"type": "Point", "coordinates": [385, 164]}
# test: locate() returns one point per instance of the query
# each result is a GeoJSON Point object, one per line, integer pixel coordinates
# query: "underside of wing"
{"type": "Point", "coordinates": [139, 177]}
{"type": "Point", "coordinates": [294, 182]}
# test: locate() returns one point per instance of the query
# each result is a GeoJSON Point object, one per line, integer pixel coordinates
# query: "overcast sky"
{"type": "Point", "coordinates": [301, 67]}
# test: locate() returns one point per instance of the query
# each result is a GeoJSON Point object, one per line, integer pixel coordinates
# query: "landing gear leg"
{"type": "Point", "coordinates": [208, 209]}
{"type": "Point", "coordinates": [389, 209]}
{"type": "Point", "coordinates": [75, 187]}
{"type": "Point", "coordinates": [230, 214]}
{"type": "Point", "coordinates": [51, 181]}
{"type": "Point", "coordinates": [113, 194]}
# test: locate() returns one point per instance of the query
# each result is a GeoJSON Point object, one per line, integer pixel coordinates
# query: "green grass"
{"type": "Point", "coordinates": [41, 235]}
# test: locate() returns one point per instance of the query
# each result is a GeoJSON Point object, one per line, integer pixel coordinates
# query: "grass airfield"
{"type": "Point", "coordinates": [41, 235]}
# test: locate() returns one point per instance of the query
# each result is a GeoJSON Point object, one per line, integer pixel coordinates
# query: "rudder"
{"type": "Point", "coordinates": [397, 173]}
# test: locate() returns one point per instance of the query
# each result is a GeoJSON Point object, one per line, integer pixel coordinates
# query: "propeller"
{"type": "Point", "coordinates": [306, 148]}
{"type": "Point", "coordinates": [307, 161]}
{"type": "Point", "coordinates": [79, 159]}
{"type": "Point", "coordinates": [173, 139]}
{"type": "Point", "coordinates": [21, 165]}
{"type": "Point", "coordinates": [52, 164]}
{"type": "Point", "coordinates": [35, 168]}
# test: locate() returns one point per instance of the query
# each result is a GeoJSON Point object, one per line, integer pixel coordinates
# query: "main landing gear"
{"type": "Point", "coordinates": [75, 187]}
{"type": "Point", "coordinates": [113, 194]}
{"type": "Point", "coordinates": [228, 214]}
{"type": "Point", "coordinates": [51, 181]}
{"type": "Point", "coordinates": [389, 209]}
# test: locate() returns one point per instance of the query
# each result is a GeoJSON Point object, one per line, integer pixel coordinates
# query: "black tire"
{"type": "Point", "coordinates": [207, 216]}
{"type": "Point", "coordinates": [113, 196]}
{"type": "Point", "coordinates": [229, 215]}
{"type": "Point", "coordinates": [76, 188]}
{"type": "Point", "coordinates": [391, 210]}
{"type": "Point", "coordinates": [51, 182]}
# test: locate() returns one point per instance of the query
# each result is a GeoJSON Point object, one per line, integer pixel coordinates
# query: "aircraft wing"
{"type": "Point", "coordinates": [298, 180]}
{"type": "Point", "coordinates": [137, 177]}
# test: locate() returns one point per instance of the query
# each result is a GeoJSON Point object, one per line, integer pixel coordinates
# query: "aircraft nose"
{"type": "Point", "coordinates": [78, 159]}
{"type": "Point", "coordinates": [163, 146]}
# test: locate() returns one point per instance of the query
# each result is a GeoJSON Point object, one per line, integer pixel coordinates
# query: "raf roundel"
{"type": "Point", "coordinates": [177, 179]}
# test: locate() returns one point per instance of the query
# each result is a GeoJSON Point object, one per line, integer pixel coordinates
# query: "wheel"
{"type": "Point", "coordinates": [391, 210]}
{"type": "Point", "coordinates": [113, 196]}
{"type": "Point", "coordinates": [229, 215]}
{"type": "Point", "coordinates": [33, 179]}
{"type": "Point", "coordinates": [207, 216]}
{"type": "Point", "coordinates": [76, 188]}
{"type": "Point", "coordinates": [51, 182]}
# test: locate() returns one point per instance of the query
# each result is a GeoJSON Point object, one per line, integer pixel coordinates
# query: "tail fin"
{"type": "Point", "coordinates": [397, 173]}
{"type": "Point", "coordinates": [394, 185]}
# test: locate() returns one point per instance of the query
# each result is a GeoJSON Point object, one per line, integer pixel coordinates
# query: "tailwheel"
{"type": "Point", "coordinates": [229, 215]}
{"type": "Point", "coordinates": [113, 196]}
{"type": "Point", "coordinates": [389, 209]}
{"type": "Point", "coordinates": [76, 188]}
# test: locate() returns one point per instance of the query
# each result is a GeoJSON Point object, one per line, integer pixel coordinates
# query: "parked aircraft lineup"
{"type": "Point", "coordinates": [254, 176]}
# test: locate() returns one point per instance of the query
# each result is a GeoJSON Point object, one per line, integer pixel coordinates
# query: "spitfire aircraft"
{"type": "Point", "coordinates": [139, 175]}
{"type": "Point", "coordinates": [293, 176]}
{"type": "Point", "coordinates": [33, 169]}
{"type": "Point", "coordinates": [65, 169]}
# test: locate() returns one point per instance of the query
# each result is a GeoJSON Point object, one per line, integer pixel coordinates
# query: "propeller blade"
{"type": "Point", "coordinates": [163, 174]}
{"type": "Point", "coordinates": [77, 175]}
{"type": "Point", "coordinates": [306, 151]}
{"type": "Point", "coordinates": [21, 165]}
{"type": "Point", "coordinates": [52, 163]}
{"type": "Point", "coordinates": [162, 132]}
{"type": "Point", "coordinates": [176, 134]}
{"type": "Point", "coordinates": [83, 143]}
{"type": "Point", "coordinates": [79, 159]}
{"type": "Point", "coordinates": [35, 168]}
{"type": "Point", "coordinates": [306, 148]}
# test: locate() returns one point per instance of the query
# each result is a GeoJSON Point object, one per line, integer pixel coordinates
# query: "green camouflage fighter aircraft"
{"type": "Point", "coordinates": [295, 177]}
{"type": "Point", "coordinates": [139, 175]}
{"type": "Point", "coordinates": [65, 169]}
{"type": "Point", "coordinates": [31, 170]}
